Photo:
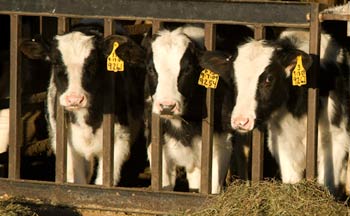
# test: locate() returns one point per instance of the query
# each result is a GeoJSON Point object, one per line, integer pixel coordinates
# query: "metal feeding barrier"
{"type": "Point", "coordinates": [149, 200]}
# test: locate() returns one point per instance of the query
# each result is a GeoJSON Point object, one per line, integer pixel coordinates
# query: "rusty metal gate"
{"type": "Point", "coordinates": [210, 13]}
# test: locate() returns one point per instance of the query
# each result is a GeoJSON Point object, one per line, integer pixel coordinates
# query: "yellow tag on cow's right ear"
{"type": "Point", "coordinates": [114, 63]}
{"type": "Point", "coordinates": [299, 73]}
{"type": "Point", "coordinates": [208, 79]}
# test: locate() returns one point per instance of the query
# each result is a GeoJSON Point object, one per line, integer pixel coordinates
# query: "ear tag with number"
{"type": "Point", "coordinates": [208, 79]}
{"type": "Point", "coordinates": [114, 63]}
{"type": "Point", "coordinates": [299, 73]}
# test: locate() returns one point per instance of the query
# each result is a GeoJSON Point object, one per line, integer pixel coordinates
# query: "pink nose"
{"type": "Point", "coordinates": [166, 106]}
{"type": "Point", "coordinates": [74, 100]}
{"type": "Point", "coordinates": [242, 123]}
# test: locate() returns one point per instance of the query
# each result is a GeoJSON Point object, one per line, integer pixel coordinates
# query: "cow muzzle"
{"type": "Point", "coordinates": [242, 124]}
{"type": "Point", "coordinates": [168, 107]}
{"type": "Point", "coordinates": [73, 101]}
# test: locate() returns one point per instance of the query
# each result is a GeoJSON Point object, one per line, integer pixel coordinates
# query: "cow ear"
{"type": "Point", "coordinates": [128, 50]}
{"type": "Point", "coordinates": [219, 62]}
{"type": "Point", "coordinates": [35, 48]}
{"type": "Point", "coordinates": [289, 60]}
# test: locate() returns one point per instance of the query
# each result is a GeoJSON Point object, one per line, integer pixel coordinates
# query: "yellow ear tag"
{"type": "Point", "coordinates": [208, 79]}
{"type": "Point", "coordinates": [299, 73]}
{"type": "Point", "coordinates": [114, 63]}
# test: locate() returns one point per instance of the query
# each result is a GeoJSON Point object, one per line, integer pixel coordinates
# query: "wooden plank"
{"type": "Point", "coordinates": [258, 136]}
{"type": "Point", "coordinates": [133, 200]}
{"type": "Point", "coordinates": [61, 139]}
{"type": "Point", "coordinates": [156, 141]}
{"type": "Point", "coordinates": [156, 153]}
{"type": "Point", "coordinates": [313, 94]}
{"type": "Point", "coordinates": [267, 12]}
{"type": "Point", "coordinates": [208, 122]}
{"type": "Point", "coordinates": [15, 138]}
{"type": "Point", "coordinates": [108, 121]}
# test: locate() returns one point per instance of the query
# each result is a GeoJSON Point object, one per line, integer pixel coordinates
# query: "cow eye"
{"type": "Point", "coordinates": [268, 79]}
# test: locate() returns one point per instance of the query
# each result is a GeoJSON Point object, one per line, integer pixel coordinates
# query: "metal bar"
{"type": "Point", "coordinates": [61, 135]}
{"type": "Point", "coordinates": [156, 153]}
{"type": "Point", "coordinates": [257, 155]}
{"type": "Point", "coordinates": [267, 12]}
{"type": "Point", "coordinates": [258, 136]}
{"type": "Point", "coordinates": [114, 198]}
{"type": "Point", "coordinates": [156, 25]}
{"type": "Point", "coordinates": [208, 122]}
{"type": "Point", "coordinates": [108, 121]}
{"type": "Point", "coordinates": [313, 93]}
{"type": "Point", "coordinates": [156, 142]}
{"type": "Point", "coordinates": [15, 100]}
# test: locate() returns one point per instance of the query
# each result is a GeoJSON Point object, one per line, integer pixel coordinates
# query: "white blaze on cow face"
{"type": "Point", "coordinates": [168, 49]}
{"type": "Point", "coordinates": [251, 61]}
{"type": "Point", "coordinates": [74, 47]}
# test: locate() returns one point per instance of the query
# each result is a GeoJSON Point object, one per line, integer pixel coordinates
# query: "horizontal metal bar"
{"type": "Point", "coordinates": [263, 12]}
{"type": "Point", "coordinates": [99, 197]}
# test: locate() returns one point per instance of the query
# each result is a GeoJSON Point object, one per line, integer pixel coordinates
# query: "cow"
{"type": "Point", "coordinates": [173, 70]}
{"type": "Point", "coordinates": [262, 74]}
{"type": "Point", "coordinates": [79, 82]}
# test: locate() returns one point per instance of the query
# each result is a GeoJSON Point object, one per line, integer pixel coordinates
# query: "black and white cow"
{"type": "Point", "coordinates": [173, 71]}
{"type": "Point", "coordinates": [79, 77]}
{"type": "Point", "coordinates": [262, 75]}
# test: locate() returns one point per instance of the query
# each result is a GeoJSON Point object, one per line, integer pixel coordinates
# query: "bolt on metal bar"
{"type": "Point", "coordinates": [61, 132]}
{"type": "Point", "coordinates": [208, 122]}
{"type": "Point", "coordinates": [313, 94]}
{"type": "Point", "coordinates": [156, 142]}
{"type": "Point", "coordinates": [108, 121]}
{"type": "Point", "coordinates": [15, 138]}
{"type": "Point", "coordinates": [257, 135]}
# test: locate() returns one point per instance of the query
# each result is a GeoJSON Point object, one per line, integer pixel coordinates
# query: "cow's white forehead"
{"type": "Point", "coordinates": [168, 49]}
{"type": "Point", "coordinates": [75, 47]}
{"type": "Point", "coordinates": [252, 58]}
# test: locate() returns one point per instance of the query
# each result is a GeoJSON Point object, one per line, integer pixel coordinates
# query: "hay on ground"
{"type": "Point", "coordinates": [273, 198]}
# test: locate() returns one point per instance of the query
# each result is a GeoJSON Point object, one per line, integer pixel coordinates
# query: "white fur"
{"type": "Point", "coordinates": [287, 134]}
{"type": "Point", "coordinates": [4, 129]}
{"type": "Point", "coordinates": [176, 154]}
{"type": "Point", "coordinates": [82, 143]}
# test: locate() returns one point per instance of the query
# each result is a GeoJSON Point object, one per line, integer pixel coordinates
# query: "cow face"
{"type": "Point", "coordinates": [263, 79]}
{"type": "Point", "coordinates": [172, 72]}
{"type": "Point", "coordinates": [75, 63]}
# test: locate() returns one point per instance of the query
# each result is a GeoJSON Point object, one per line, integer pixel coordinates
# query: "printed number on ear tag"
{"type": "Point", "coordinates": [114, 63]}
{"type": "Point", "coordinates": [208, 79]}
{"type": "Point", "coordinates": [299, 73]}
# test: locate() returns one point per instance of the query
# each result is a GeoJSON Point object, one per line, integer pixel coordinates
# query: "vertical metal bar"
{"type": "Point", "coordinates": [40, 25]}
{"type": "Point", "coordinates": [61, 136]}
{"type": "Point", "coordinates": [156, 143]}
{"type": "Point", "coordinates": [313, 92]}
{"type": "Point", "coordinates": [156, 153]}
{"type": "Point", "coordinates": [108, 121]}
{"type": "Point", "coordinates": [208, 122]}
{"type": "Point", "coordinates": [15, 100]}
{"type": "Point", "coordinates": [156, 25]}
{"type": "Point", "coordinates": [258, 136]}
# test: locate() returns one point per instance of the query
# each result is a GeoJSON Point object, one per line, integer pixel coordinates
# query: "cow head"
{"type": "Point", "coordinates": [262, 77]}
{"type": "Point", "coordinates": [172, 72]}
{"type": "Point", "coordinates": [78, 63]}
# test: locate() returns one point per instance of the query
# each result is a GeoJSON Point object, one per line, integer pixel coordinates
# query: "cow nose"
{"type": "Point", "coordinates": [74, 100]}
{"type": "Point", "coordinates": [168, 108]}
{"type": "Point", "coordinates": [242, 123]}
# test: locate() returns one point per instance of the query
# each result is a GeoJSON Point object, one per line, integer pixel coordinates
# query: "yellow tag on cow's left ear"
{"type": "Point", "coordinates": [114, 63]}
{"type": "Point", "coordinates": [208, 79]}
{"type": "Point", "coordinates": [299, 73]}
